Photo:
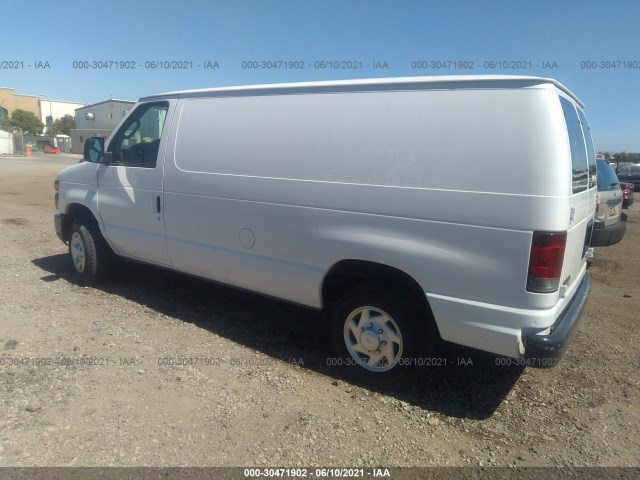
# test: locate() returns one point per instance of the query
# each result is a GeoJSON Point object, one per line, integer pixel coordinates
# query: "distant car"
{"type": "Point", "coordinates": [627, 194]}
{"type": "Point", "coordinates": [51, 149]}
{"type": "Point", "coordinates": [630, 173]}
{"type": "Point", "coordinates": [610, 225]}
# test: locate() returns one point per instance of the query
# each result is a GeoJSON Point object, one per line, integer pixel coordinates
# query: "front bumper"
{"type": "Point", "coordinates": [604, 236]}
{"type": "Point", "coordinates": [545, 351]}
{"type": "Point", "coordinates": [60, 221]}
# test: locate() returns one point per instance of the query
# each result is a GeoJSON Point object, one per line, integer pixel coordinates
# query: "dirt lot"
{"type": "Point", "coordinates": [156, 369]}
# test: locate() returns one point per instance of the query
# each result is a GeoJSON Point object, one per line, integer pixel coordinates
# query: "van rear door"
{"type": "Point", "coordinates": [582, 200]}
{"type": "Point", "coordinates": [609, 207]}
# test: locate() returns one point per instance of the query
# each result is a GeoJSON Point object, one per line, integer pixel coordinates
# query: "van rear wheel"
{"type": "Point", "coordinates": [88, 252]}
{"type": "Point", "coordinates": [375, 337]}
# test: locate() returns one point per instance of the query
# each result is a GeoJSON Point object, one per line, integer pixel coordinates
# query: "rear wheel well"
{"type": "Point", "coordinates": [380, 322]}
{"type": "Point", "coordinates": [348, 274]}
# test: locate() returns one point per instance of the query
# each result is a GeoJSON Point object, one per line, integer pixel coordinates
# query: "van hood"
{"type": "Point", "coordinates": [82, 173]}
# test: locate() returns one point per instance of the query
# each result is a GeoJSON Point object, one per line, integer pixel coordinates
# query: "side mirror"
{"type": "Point", "coordinates": [94, 150]}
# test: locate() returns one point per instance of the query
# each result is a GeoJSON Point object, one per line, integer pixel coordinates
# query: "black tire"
{"type": "Point", "coordinates": [86, 242]}
{"type": "Point", "coordinates": [397, 354]}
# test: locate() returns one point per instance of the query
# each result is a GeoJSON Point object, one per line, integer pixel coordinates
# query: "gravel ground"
{"type": "Point", "coordinates": [156, 369]}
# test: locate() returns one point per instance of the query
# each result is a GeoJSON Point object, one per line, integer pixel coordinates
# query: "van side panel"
{"type": "Point", "coordinates": [460, 140]}
{"type": "Point", "coordinates": [436, 183]}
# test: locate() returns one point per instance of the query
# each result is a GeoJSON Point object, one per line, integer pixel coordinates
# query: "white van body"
{"type": "Point", "coordinates": [440, 182]}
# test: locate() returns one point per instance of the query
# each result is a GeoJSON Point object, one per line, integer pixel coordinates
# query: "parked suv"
{"type": "Point", "coordinates": [629, 172]}
{"type": "Point", "coordinates": [610, 223]}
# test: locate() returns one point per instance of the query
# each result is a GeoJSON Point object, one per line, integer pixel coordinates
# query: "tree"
{"type": "Point", "coordinates": [622, 157]}
{"type": "Point", "coordinates": [25, 121]}
{"type": "Point", "coordinates": [61, 126]}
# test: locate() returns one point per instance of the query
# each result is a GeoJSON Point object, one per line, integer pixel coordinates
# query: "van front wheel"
{"type": "Point", "coordinates": [89, 253]}
{"type": "Point", "coordinates": [375, 337]}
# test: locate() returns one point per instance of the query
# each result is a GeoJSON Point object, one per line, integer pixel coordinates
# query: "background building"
{"type": "Point", "coordinates": [51, 110]}
{"type": "Point", "coordinates": [97, 120]}
{"type": "Point", "coordinates": [47, 111]}
{"type": "Point", "coordinates": [10, 101]}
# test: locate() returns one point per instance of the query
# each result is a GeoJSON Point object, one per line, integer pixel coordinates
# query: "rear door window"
{"type": "Point", "coordinates": [591, 151]}
{"type": "Point", "coordinates": [579, 162]}
{"type": "Point", "coordinates": [607, 179]}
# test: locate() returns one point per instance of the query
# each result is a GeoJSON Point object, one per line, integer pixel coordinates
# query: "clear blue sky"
{"type": "Point", "coordinates": [361, 31]}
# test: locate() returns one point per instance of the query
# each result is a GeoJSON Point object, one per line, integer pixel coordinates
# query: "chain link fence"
{"type": "Point", "coordinates": [18, 142]}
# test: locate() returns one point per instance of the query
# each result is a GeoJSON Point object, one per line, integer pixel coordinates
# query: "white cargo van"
{"type": "Point", "coordinates": [409, 209]}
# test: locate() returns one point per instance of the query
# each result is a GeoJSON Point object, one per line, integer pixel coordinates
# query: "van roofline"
{"type": "Point", "coordinates": [372, 84]}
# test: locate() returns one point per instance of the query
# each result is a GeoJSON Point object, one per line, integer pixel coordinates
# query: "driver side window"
{"type": "Point", "coordinates": [138, 140]}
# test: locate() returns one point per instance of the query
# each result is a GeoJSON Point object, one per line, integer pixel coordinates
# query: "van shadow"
{"type": "Point", "coordinates": [463, 383]}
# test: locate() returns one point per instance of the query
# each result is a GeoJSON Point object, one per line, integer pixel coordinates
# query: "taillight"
{"type": "Point", "coordinates": [597, 208]}
{"type": "Point", "coordinates": [545, 263]}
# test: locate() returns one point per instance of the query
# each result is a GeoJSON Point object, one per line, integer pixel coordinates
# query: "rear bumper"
{"type": "Point", "coordinates": [500, 329]}
{"type": "Point", "coordinates": [545, 351]}
{"type": "Point", "coordinates": [604, 236]}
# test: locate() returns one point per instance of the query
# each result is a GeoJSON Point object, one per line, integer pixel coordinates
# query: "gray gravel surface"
{"type": "Point", "coordinates": [156, 369]}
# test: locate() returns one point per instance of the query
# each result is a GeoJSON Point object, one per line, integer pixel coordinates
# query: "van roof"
{"type": "Point", "coordinates": [373, 84]}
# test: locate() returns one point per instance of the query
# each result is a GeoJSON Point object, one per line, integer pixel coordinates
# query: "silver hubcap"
{"type": "Point", "coordinates": [373, 339]}
{"type": "Point", "coordinates": [77, 252]}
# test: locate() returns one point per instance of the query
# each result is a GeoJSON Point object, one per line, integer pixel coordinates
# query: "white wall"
{"type": "Point", "coordinates": [6, 143]}
{"type": "Point", "coordinates": [57, 109]}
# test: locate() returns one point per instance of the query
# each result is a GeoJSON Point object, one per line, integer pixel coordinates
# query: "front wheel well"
{"type": "Point", "coordinates": [78, 213]}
